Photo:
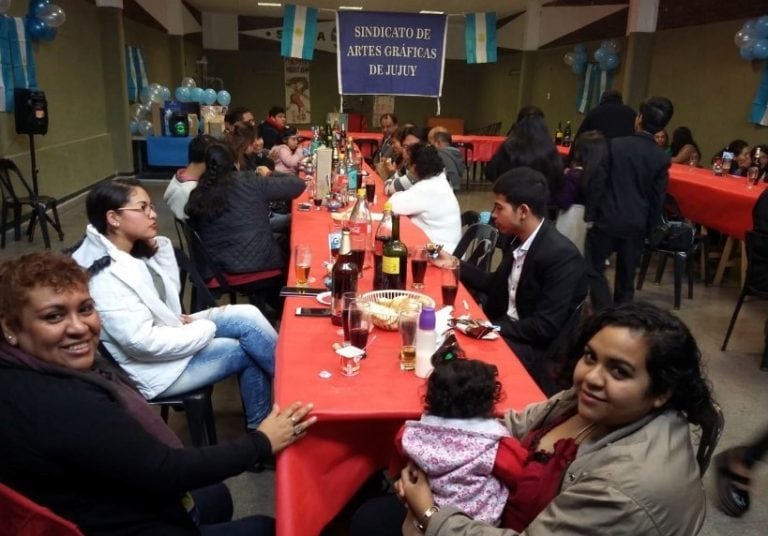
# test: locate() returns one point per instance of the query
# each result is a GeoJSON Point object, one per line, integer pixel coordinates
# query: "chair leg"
{"type": "Point", "coordinates": [644, 262]}
{"type": "Point", "coordinates": [196, 411]}
{"type": "Point", "coordinates": [40, 210]}
{"type": "Point", "coordinates": [56, 223]}
{"type": "Point", "coordinates": [17, 223]}
{"type": "Point", "coordinates": [679, 260]}
{"type": "Point", "coordinates": [660, 269]}
{"type": "Point", "coordinates": [733, 318]}
{"type": "Point", "coordinates": [3, 222]}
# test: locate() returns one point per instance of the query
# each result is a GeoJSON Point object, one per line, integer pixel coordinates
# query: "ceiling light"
{"type": "Point", "coordinates": [426, 12]}
{"type": "Point", "coordinates": [268, 4]}
{"type": "Point", "coordinates": [351, 8]}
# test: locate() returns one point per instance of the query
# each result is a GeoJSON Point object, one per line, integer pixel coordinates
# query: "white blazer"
{"type": "Point", "coordinates": [144, 333]}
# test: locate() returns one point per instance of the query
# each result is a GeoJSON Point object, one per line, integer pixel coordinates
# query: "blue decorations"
{"type": "Point", "coordinates": [183, 94]}
{"type": "Point", "coordinates": [209, 96]}
{"type": "Point", "coordinates": [197, 94]}
{"type": "Point", "coordinates": [224, 97]}
{"type": "Point", "coordinates": [42, 20]}
{"type": "Point", "coordinates": [752, 39]}
{"type": "Point", "coordinates": [606, 56]}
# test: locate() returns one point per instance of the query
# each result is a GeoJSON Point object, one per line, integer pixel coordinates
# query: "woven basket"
{"type": "Point", "coordinates": [387, 303]}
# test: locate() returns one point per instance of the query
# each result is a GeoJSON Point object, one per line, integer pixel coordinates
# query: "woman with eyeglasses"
{"type": "Point", "coordinates": [135, 285]}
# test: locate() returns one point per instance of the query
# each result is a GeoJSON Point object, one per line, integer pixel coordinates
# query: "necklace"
{"type": "Point", "coordinates": [585, 432]}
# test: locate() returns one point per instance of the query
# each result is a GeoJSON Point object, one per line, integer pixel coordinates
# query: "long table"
{"type": "Point", "coordinates": [357, 416]}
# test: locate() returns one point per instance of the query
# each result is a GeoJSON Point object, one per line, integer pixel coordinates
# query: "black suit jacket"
{"type": "Point", "coordinates": [612, 119]}
{"type": "Point", "coordinates": [552, 284]}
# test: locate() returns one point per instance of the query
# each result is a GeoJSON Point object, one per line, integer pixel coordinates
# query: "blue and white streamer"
{"type": "Point", "coordinates": [136, 73]}
{"type": "Point", "coordinates": [17, 61]}
{"type": "Point", "coordinates": [594, 83]}
{"type": "Point", "coordinates": [759, 112]}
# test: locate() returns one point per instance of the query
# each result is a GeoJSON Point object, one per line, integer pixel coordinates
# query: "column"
{"type": "Point", "coordinates": [641, 27]}
{"type": "Point", "coordinates": [531, 36]}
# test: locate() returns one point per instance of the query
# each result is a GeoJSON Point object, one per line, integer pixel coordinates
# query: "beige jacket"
{"type": "Point", "coordinates": [639, 480]}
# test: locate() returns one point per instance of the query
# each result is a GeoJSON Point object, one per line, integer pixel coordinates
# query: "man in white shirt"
{"type": "Point", "coordinates": [541, 279]}
{"type": "Point", "coordinates": [185, 179]}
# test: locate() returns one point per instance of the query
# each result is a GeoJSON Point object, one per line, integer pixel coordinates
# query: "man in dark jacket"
{"type": "Point", "coordinates": [611, 117]}
{"type": "Point", "coordinates": [452, 158]}
{"type": "Point", "coordinates": [541, 279]}
{"type": "Point", "coordinates": [271, 129]}
{"type": "Point", "coordinates": [624, 203]}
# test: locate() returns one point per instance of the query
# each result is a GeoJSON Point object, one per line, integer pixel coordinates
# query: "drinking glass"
{"type": "Point", "coordinates": [359, 319]}
{"type": "Point", "coordinates": [317, 194]}
{"type": "Point", "coordinates": [408, 321]}
{"type": "Point", "coordinates": [419, 257]}
{"type": "Point", "coordinates": [370, 189]}
{"type": "Point", "coordinates": [302, 257]}
{"type": "Point", "coordinates": [753, 174]}
{"type": "Point", "coordinates": [449, 274]}
{"type": "Point", "coordinates": [347, 299]}
{"type": "Point", "coordinates": [693, 162]}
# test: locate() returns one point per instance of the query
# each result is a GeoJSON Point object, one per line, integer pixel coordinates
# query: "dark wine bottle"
{"type": "Point", "coordinates": [394, 262]}
{"type": "Point", "coordinates": [383, 235]}
{"type": "Point", "coordinates": [343, 276]}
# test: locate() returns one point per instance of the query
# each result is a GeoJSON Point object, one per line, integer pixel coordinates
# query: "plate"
{"type": "Point", "coordinates": [324, 297]}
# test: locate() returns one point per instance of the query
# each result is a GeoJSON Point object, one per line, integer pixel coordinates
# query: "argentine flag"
{"type": "Point", "coordinates": [480, 36]}
{"type": "Point", "coordinates": [299, 32]}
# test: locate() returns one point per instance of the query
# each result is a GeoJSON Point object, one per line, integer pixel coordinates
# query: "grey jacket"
{"type": "Point", "coordinates": [454, 164]}
{"type": "Point", "coordinates": [641, 479]}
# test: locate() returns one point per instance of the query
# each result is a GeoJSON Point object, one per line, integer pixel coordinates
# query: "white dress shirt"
{"type": "Point", "coordinates": [517, 267]}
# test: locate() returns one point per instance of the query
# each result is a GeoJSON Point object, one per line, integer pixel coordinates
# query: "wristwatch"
{"type": "Point", "coordinates": [422, 525]}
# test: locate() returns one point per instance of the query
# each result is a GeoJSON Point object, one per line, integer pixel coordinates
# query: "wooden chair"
{"type": "Point", "coordinates": [20, 515]}
{"type": "Point", "coordinates": [10, 178]}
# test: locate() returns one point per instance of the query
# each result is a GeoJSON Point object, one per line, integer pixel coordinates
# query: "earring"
{"type": "Point", "coordinates": [11, 340]}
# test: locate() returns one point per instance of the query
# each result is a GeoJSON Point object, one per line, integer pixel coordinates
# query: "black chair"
{"type": "Point", "coordinates": [468, 152]}
{"type": "Point", "coordinates": [710, 437]}
{"type": "Point", "coordinates": [201, 297]}
{"type": "Point", "coordinates": [40, 205]}
{"type": "Point", "coordinates": [682, 249]}
{"type": "Point", "coordinates": [477, 245]}
{"type": "Point", "coordinates": [196, 404]}
{"type": "Point", "coordinates": [756, 281]}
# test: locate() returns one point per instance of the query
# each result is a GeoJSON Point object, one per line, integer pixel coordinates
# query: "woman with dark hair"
{"type": "Point", "coordinates": [762, 160]}
{"type": "Point", "coordinates": [78, 438]}
{"type": "Point", "coordinates": [684, 149]}
{"type": "Point", "coordinates": [230, 211]}
{"type": "Point", "coordinates": [430, 202]}
{"type": "Point", "coordinates": [662, 140]}
{"type": "Point", "coordinates": [248, 147]}
{"type": "Point", "coordinates": [589, 151]}
{"type": "Point", "coordinates": [530, 144]}
{"type": "Point", "coordinates": [394, 170]}
{"type": "Point", "coordinates": [741, 160]}
{"type": "Point", "coordinates": [135, 285]}
{"type": "Point", "coordinates": [611, 455]}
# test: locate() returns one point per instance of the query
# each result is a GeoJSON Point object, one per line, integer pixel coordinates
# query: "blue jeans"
{"type": "Point", "coordinates": [244, 345]}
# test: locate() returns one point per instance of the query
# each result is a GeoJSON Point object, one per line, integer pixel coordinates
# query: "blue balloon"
{"type": "Point", "coordinates": [761, 27]}
{"type": "Point", "coordinates": [166, 94]}
{"type": "Point", "coordinates": [40, 31]}
{"type": "Point", "coordinates": [579, 68]}
{"type": "Point", "coordinates": [197, 94]}
{"type": "Point", "coordinates": [580, 48]}
{"type": "Point", "coordinates": [600, 54]}
{"type": "Point", "coordinates": [760, 49]}
{"type": "Point", "coordinates": [182, 94]}
{"type": "Point", "coordinates": [746, 53]}
{"type": "Point", "coordinates": [610, 62]}
{"type": "Point", "coordinates": [749, 25]}
{"type": "Point", "coordinates": [224, 97]}
{"type": "Point", "coordinates": [209, 96]}
{"type": "Point", "coordinates": [35, 6]}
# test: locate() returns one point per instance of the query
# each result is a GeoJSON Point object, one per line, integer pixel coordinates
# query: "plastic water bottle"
{"type": "Point", "coordinates": [426, 341]}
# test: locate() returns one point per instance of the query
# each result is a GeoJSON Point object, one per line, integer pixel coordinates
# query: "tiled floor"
{"type": "Point", "coordinates": [739, 386]}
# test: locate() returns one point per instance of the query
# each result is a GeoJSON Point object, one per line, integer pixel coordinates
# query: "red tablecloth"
{"type": "Point", "coordinates": [357, 416]}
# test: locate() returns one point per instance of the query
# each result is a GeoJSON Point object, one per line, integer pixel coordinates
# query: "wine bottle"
{"type": "Point", "coordinates": [559, 134]}
{"type": "Point", "coordinates": [567, 135]}
{"type": "Point", "coordinates": [394, 262]}
{"type": "Point", "coordinates": [343, 277]}
{"type": "Point", "coordinates": [383, 235]}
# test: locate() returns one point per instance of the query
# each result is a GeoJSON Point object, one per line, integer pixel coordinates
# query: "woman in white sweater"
{"type": "Point", "coordinates": [430, 202]}
{"type": "Point", "coordinates": [135, 284]}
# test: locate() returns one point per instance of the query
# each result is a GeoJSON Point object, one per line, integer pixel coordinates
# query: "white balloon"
{"type": "Point", "coordinates": [188, 82]}
{"type": "Point", "coordinates": [145, 128]}
{"type": "Point", "coordinates": [4, 6]}
{"type": "Point", "coordinates": [52, 15]}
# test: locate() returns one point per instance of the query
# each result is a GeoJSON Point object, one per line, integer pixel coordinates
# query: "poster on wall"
{"type": "Point", "coordinates": [382, 104]}
{"type": "Point", "coordinates": [390, 53]}
{"type": "Point", "coordinates": [297, 100]}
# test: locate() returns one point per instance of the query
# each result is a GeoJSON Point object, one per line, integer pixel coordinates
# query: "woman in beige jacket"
{"type": "Point", "coordinates": [637, 387]}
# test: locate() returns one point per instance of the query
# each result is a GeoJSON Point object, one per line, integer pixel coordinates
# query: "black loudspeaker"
{"type": "Point", "coordinates": [31, 111]}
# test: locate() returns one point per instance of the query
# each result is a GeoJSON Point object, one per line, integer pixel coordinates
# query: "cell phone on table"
{"type": "Point", "coordinates": [313, 311]}
{"type": "Point", "coordinates": [301, 291]}
{"type": "Point", "coordinates": [303, 207]}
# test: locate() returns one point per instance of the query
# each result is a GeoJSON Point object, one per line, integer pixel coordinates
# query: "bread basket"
{"type": "Point", "coordinates": [386, 304]}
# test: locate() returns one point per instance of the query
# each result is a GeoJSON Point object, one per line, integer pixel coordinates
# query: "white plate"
{"type": "Point", "coordinates": [324, 297]}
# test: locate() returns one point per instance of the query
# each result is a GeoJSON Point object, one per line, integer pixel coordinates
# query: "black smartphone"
{"type": "Point", "coordinates": [301, 291]}
{"type": "Point", "coordinates": [313, 311]}
{"type": "Point", "coordinates": [303, 207]}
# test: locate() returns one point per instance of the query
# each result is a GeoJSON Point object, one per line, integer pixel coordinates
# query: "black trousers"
{"type": "Point", "coordinates": [628, 251]}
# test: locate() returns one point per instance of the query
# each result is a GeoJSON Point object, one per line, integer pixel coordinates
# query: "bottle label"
{"type": "Point", "coordinates": [390, 265]}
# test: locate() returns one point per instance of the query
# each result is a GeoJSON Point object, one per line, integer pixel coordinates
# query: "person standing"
{"type": "Point", "coordinates": [624, 202]}
{"type": "Point", "coordinates": [612, 118]}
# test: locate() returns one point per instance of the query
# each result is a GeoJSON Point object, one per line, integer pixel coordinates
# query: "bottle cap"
{"type": "Point", "coordinates": [427, 318]}
{"type": "Point", "coordinates": [361, 192]}
{"type": "Point", "coordinates": [388, 206]}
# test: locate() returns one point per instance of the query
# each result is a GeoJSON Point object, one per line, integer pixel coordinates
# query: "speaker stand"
{"type": "Point", "coordinates": [34, 163]}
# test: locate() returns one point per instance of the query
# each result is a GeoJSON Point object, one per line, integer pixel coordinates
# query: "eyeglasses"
{"type": "Point", "coordinates": [146, 208]}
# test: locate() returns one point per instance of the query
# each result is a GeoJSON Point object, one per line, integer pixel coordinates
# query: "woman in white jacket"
{"type": "Point", "coordinates": [135, 284]}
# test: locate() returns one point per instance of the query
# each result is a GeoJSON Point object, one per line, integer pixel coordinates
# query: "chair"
{"type": "Point", "coordinates": [477, 245]}
{"type": "Point", "coordinates": [682, 252]}
{"type": "Point", "coordinates": [756, 282]}
{"type": "Point", "coordinates": [468, 151]}
{"type": "Point", "coordinates": [710, 436]}
{"type": "Point", "coordinates": [254, 285]}
{"type": "Point", "coordinates": [201, 297]}
{"type": "Point", "coordinates": [20, 515]}
{"type": "Point", "coordinates": [196, 404]}
{"type": "Point", "coordinates": [368, 148]}
{"type": "Point", "coordinates": [40, 204]}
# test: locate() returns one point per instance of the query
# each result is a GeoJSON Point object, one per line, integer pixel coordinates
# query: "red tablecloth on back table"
{"type": "Point", "coordinates": [358, 416]}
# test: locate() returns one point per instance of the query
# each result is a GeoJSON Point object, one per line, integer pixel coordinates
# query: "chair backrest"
{"type": "Point", "coordinates": [757, 261]}
{"type": "Point", "coordinates": [200, 257]}
{"type": "Point", "coordinates": [710, 436]}
{"type": "Point", "coordinates": [201, 294]}
{"type": "Point", "coordinates": [478, 245]}
{"type": "Point", "coordinates": [21, 515]}
{"type": "Point", "coordinates": [10, 175]}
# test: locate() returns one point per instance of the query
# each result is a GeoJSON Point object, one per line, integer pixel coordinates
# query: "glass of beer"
{"type": "Point", "coordinates": [450, 281]}
{"type": "Point", "coordinates": [302, 262]}
{"type": "Point", "coordinates": [408, 321]}
{"type": "Point", "coordinates": [419, 256]}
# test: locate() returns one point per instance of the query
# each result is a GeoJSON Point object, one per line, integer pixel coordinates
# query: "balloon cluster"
{"type": "Point", "coordinates": [607, 57]}
{"type": "Point", "coordinates": [752, 39]}
{"type": "Point", "coordinates": [42, 20]}
{"type": "Point", "coordinates": [189, 92]}
{"type": "Point", "coordinates": [157, 93]}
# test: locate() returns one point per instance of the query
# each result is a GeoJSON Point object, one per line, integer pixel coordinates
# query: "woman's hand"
{"type": "Point", "coordinates": [186, 319]}
{"type": "Point", "coordinates": [413, 488]}
{"type": "Point", "coordinates": [264, 171]}
{"type": "Point", "coordinates": [283, 428]}
{"type": "Point", "coordinates": [385, 168]}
